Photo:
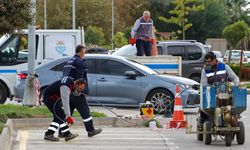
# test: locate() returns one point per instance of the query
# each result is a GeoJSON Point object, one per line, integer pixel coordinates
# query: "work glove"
{"type": "Point", "coordinates": [70, 120]}
{"type": "Point", "coordinates": [152, 41]}
{"type": "Point", "coordinates": [132, 41]}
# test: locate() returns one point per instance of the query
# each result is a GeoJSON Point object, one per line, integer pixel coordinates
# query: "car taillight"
{"type": "Point", "coordinates": [244, 59]}
{"type": "Point", "coordinates": [22, 75]}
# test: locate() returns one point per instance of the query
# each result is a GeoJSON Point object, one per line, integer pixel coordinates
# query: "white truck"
{"type": "Point", "coordinates": [50, 44]}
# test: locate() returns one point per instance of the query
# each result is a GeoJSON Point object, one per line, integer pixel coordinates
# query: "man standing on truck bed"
{"type": "Point", "coordinates": [142, 34]}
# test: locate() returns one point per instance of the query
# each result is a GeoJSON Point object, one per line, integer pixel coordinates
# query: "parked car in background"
{"type": "Point", "coordinates": [117, 81]}
{"type": "Point", "coordinates": [248, 56]}
{"type": "Point", "coordinates": [235, 56]}
{"type": "Point", "coordinates": [207, 48]}
{"type": "Point", "coordinates": [191, 52]}
{"type": "Point", "coordinates": [218, 55]}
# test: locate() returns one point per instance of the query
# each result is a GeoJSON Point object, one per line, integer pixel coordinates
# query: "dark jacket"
{"type": "Point", "coordinates": [52, 92]}
{"type": "Point", "coordinates": [76, 68]}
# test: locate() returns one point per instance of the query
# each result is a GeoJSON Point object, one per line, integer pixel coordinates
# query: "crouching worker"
{"type": "Point", "coordinates": [56, 96]}
{"type": "Point", "coordinates": [78, 101]}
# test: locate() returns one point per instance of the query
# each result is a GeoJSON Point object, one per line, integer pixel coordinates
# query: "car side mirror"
{"type": "Point", "coordinates": [130, 74]}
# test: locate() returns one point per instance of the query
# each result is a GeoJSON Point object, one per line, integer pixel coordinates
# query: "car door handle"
{"type": "Point", "coordinates": [102, 80]}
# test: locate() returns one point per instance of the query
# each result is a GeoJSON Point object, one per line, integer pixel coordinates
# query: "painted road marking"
{"type": "Point", "coordinates": [24, 135]}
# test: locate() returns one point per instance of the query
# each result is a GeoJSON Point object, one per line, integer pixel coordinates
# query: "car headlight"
{"type": "Point", "coordinates": [185, 86]}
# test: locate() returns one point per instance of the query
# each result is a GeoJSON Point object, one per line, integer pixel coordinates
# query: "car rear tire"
{"type": "Point", "coordinates": [3, 93]}
{"type": "Point", "coordinates": [161, 99]}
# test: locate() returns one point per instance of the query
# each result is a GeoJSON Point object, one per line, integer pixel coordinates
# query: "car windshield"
{"type": "Point", "coordinates": [234, 54]}
{"type": "Point", "coordinates": [144, 68]}
{"type": "Point", "coordinates": [3, 39]}
{"type": "Point", "coordinates": [207, 48]}
{"type": "Point", "coordinates": [247, 54]}
{"type": "Point", "coordinates": [125, 51]}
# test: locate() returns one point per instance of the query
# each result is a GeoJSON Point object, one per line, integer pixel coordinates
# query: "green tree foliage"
{"type": "Point", "coordinates": [14, 15]}
{"type": "Point", "coordinates": [180, 14]}
{"type": "Point", "coordinates": [127, 11]}
{"type": "Point", "coordinates": [95, 13]}
{"type": "Point", "coordinates": [88, 13]}
{"type": "Point", "coordinates": [234, 33]}
{"type": "Point", "coordinates": [59, 14]}
{"type": "Point", "coordinates": [94, 35]}
{"type": "Point", "coordinates": [236, 10]}
{"type": "Point", "coordinates": [208, 23]}
{"type": "Point", "coordinates": [156, 7]}
{"type": "Point", "coordinates": [120, 39]}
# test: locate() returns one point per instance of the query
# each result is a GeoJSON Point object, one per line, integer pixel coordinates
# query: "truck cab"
{"type": "Point", "coordinates": [50, 44]}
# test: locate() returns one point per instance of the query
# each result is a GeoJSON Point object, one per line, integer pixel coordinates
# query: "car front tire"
{"type": "Point", "coordinates": [161, 99]}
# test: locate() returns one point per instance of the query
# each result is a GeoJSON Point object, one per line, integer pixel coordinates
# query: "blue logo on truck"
{"type": "Point", "coordinates": [61, 48]}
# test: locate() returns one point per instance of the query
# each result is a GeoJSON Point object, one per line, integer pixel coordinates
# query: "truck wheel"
{"type": "Point", "coordinates": [240, 135]}
{"type": "Point", "coordinates": [161, 99]}
{"type": "Point", "coordinates": [199, 128]}
{"type": "Point", "coordinates": [207, 137]}
{"type": "Point", "coordinates": [3, 93]}
{"type": "Point", "coordinates": [228, 139]}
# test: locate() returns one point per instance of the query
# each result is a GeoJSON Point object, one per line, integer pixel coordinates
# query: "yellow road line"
{"type": "Point", "coordinates": [24, 135]}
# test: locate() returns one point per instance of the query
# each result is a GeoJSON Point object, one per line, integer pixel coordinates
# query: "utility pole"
{"type": "Point", "coordinates": [113, 22]}
{"type": "Point", "coordinates": [30, 86]}
{"type": "Point", "coordinates": [45, 15]}
{"type": "Point", "coordinates": [73, 14]}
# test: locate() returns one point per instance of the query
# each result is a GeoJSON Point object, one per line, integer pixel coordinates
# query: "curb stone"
{"type": "Point", "coordinates": [6, 135]}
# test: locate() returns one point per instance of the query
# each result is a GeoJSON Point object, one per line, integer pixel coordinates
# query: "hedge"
{"type": "Point", "coordinates": [245, 71]}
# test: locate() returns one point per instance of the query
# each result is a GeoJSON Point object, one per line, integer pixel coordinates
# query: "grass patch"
{"type": "Point", "coordinates": [1, 127]}
{"type": "Point", "coordinates": [247, 85]}
{"type": "Point", "coordinates": [97, 114]}
{"type": "Point", "coordinates": [19, 111]}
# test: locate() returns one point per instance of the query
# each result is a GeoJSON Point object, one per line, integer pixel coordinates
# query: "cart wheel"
{"type": "Point", "coordinates": [228, 139]}
{"type": "Point", "coordinates": [199, 135]}
{"type": "Point", "coordinates": [198, 129]}
{"type": "Point", "coordinates": [241, 134]}
{"type": "Point", "coordinates": [207, 137]}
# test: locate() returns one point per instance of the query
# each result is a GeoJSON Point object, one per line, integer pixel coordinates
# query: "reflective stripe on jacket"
{"type": "Point", "coordinates": [219, 75]}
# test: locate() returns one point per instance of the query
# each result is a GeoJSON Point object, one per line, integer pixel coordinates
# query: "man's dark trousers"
{"type": "Point", "coordinates": [143, 47]}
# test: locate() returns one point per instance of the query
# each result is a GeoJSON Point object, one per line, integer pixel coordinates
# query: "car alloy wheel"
{"type": "Point", "coordinates": [161, 100]}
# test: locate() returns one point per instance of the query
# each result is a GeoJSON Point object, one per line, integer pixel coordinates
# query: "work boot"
{"type": "Point", "coordinates": [70, 136]}
{"type": "Point", "coordinates": [94, 132]}
{"type": "Point", "coordinates": [61, 135]}
{"type": "Point", "coordinates": [51, 137]}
